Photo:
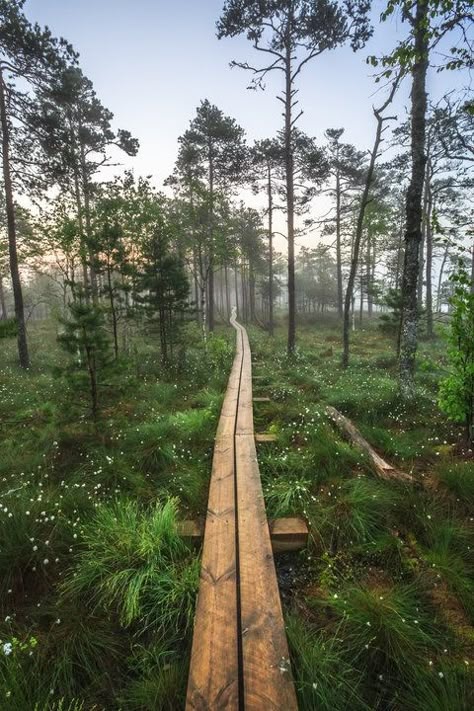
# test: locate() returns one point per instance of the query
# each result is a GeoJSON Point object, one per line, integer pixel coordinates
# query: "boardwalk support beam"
{"type": "Point", "coordinates": [286, 534]}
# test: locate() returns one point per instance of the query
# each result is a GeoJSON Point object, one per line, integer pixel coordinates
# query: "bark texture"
{"type": "Point", "coordinates": [414, 199]}
{"type": "Point", "coordinates": [11, 227]}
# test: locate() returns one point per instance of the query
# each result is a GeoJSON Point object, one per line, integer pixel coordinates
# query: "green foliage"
{"type": "Point", "coordinates": [390, 323]}
{"type": "Point", "coordinates": [458, 478]}
{"type": "Point", "coordinates": [160, 681]}
{"type": "Point", "coordinates": [164, 287]}
{"type": "Point", "coordinates": [134, 562]}
{"type": "Point", "coordinates": [448, 687]}
{"type": "Point", "coordinates": [457, 389]}
{"type": "Point", "coordinates": [82, 651]}
{"type": "Point", "coordinates": [391, 628]}
{"type": "Point", "coordinates": [324, 679]}
{"type": "Point", "coordinates": [86, 340]}
{"type": "Point", "coordinates": [358, 511]}
{"type": "Point", "coordinates": [451, 555]}
{"type": "Point", "coordinates": [8, 328]}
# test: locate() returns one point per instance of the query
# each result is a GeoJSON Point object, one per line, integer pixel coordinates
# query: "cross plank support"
{"type": "Point", "coordinates": [286, 534]}
{"type": "Point", "coordinates": [262, 437]}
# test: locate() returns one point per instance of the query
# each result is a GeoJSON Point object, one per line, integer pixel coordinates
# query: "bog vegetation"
{"type": "Point", "coordinates": [115, 298]}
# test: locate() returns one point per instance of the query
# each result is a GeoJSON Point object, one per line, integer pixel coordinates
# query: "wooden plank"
{"type": "Point", "coordinates": [213, 684]}
{"type": "Point", "coordinates": [267, 678]}
{"type": "Point", "coordinates": [288, 534]}
{"type": "Point", "coordinates": [213, 681]}
{"type": "Point", "coordinates": [192, 530]}
{"type": "Point", "coordinates": [245, 412]}
{"type": "Point", "coordinates": [238, 597]}
{"type": "Point", "coordinates": [265, 437]}
{"type": "Point", "coordinates": [265, 657]}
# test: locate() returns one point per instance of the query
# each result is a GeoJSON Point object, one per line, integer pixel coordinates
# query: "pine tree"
{"type": "Point", "coordinates": [163, 286]}
{"type": "Point", "coordinates": [216, 143]}
{"type": "Point", "coordinates": [430, 21]}
{"type": "Point", "coordinates": [291, 33]}
{"type": "Point", "coordinates": [86, 340]}
{"type": "Point", "coordinates": [29, 56]}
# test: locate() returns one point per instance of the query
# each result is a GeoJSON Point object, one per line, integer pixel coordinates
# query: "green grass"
{"type": "Point", "coordinates": [92, 568]}
{"type": "Point", "coordinates": [381, 600]}
{"type": "Point", "coordinates": [388, 630]}
{"type": "Point", "coordinates": [324, 679]}
{"type": "Point", "coordinates": [135, 563]}
{"type": "Point", "coordinates": [357, 511]}
{"type": "Point", "coordinates": [91, 565]}
{"type": "Point", "coordinates": [444, 687]}
{"type": "Point", "coordinates": [159, 677]}
{"type": "Point", "coordinates": [458, 478]}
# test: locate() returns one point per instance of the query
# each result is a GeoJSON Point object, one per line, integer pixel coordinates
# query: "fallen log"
{"type": "Point", "coordinates": [348, 429]}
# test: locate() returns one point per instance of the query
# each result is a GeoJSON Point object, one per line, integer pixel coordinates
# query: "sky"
{"type": "Point", "coordinates": [153, 61]}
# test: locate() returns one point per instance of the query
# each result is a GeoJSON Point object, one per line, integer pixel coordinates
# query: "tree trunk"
{"type": "Point", "coordinates": [252, 293]}
{"type": "Point", "coordinates": [429, 267]}
{"type": "Point", "coordinates": [87, 215]}
{"type": "Point", "coordinates": [236, 286]}
{"type": "Point", "coordinates": [409, 331]}
{"type": "Point", "coordinates": [3, 305]}
{"type": "Point", "coordinates": [340, 308]}
{"type": "Point", "coordinates": [368, 270]}
{"type": "Point", "coordinates": [360, 225]}
{"type": "Point", "coordinates": [113, 312]}
{"type": "Point", "coordinates": [383, 469]}
{"type": "Point", "coordinates": [290, 198]}
{"type": "Point", "coordinates": [11, 227]}
{"type": "Point", "coordinates": [270, 248]}
{"type": "Point", "coordinates": [421, 257]}
{"type": "Point", "coordinates": [227, 296]}
{"type": "Point", "coordinates": [196, 284]}
{"type": "Point", "coordinates": [399, 253]}
{"type": "Point", "coordinates": [210, 290]}
{"type": "Point", "coordinates": [440, 278]}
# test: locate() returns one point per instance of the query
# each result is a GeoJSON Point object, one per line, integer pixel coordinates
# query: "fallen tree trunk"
{"type": "Point", "coordinates": [382, 468]}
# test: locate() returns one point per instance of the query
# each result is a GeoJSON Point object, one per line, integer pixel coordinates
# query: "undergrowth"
{"type": "Point", "coordinates": [380, 609]}
{"type": "Point", "coordinates": [97, 588]}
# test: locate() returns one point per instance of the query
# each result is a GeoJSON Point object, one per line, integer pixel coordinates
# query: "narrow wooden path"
{"type": "Point", "coordinates": [239, 658]}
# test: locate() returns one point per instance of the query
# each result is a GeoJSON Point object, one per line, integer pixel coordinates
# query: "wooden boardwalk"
{"type": "Point", "coordinates": [239, 658]}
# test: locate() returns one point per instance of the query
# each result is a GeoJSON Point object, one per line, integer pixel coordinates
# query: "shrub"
{"type": "Point", "coordinates": [8, 328]}
{"type": "Point", "coordinates": [456, 397]}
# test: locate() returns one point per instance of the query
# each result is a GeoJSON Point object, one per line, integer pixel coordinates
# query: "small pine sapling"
{"type": "Point", "coordinates": [85, 338]}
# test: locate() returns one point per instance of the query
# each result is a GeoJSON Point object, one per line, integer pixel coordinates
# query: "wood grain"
{"type": "Point", "coordinates": [238, 599]}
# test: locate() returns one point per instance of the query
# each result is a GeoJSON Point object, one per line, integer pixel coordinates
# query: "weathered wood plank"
{"type": "Point", "coordinates": [266, 668]}
{"type": "Point", "coordinates": [265, 437]}
{"type": "Point", "coordinates": [238, 597]}
{"type": "Point", "coordinates": [213, 681]}
{"type": "Point", "coordinates": [267, 678]}
{"type": "Point", "coordinates": [286, 534]}
{"type": "Point", "coordinates": [350, 431]}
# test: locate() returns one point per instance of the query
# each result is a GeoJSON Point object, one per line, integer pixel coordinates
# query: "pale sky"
{"type": "Point", "coordinates": [152, 61]}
